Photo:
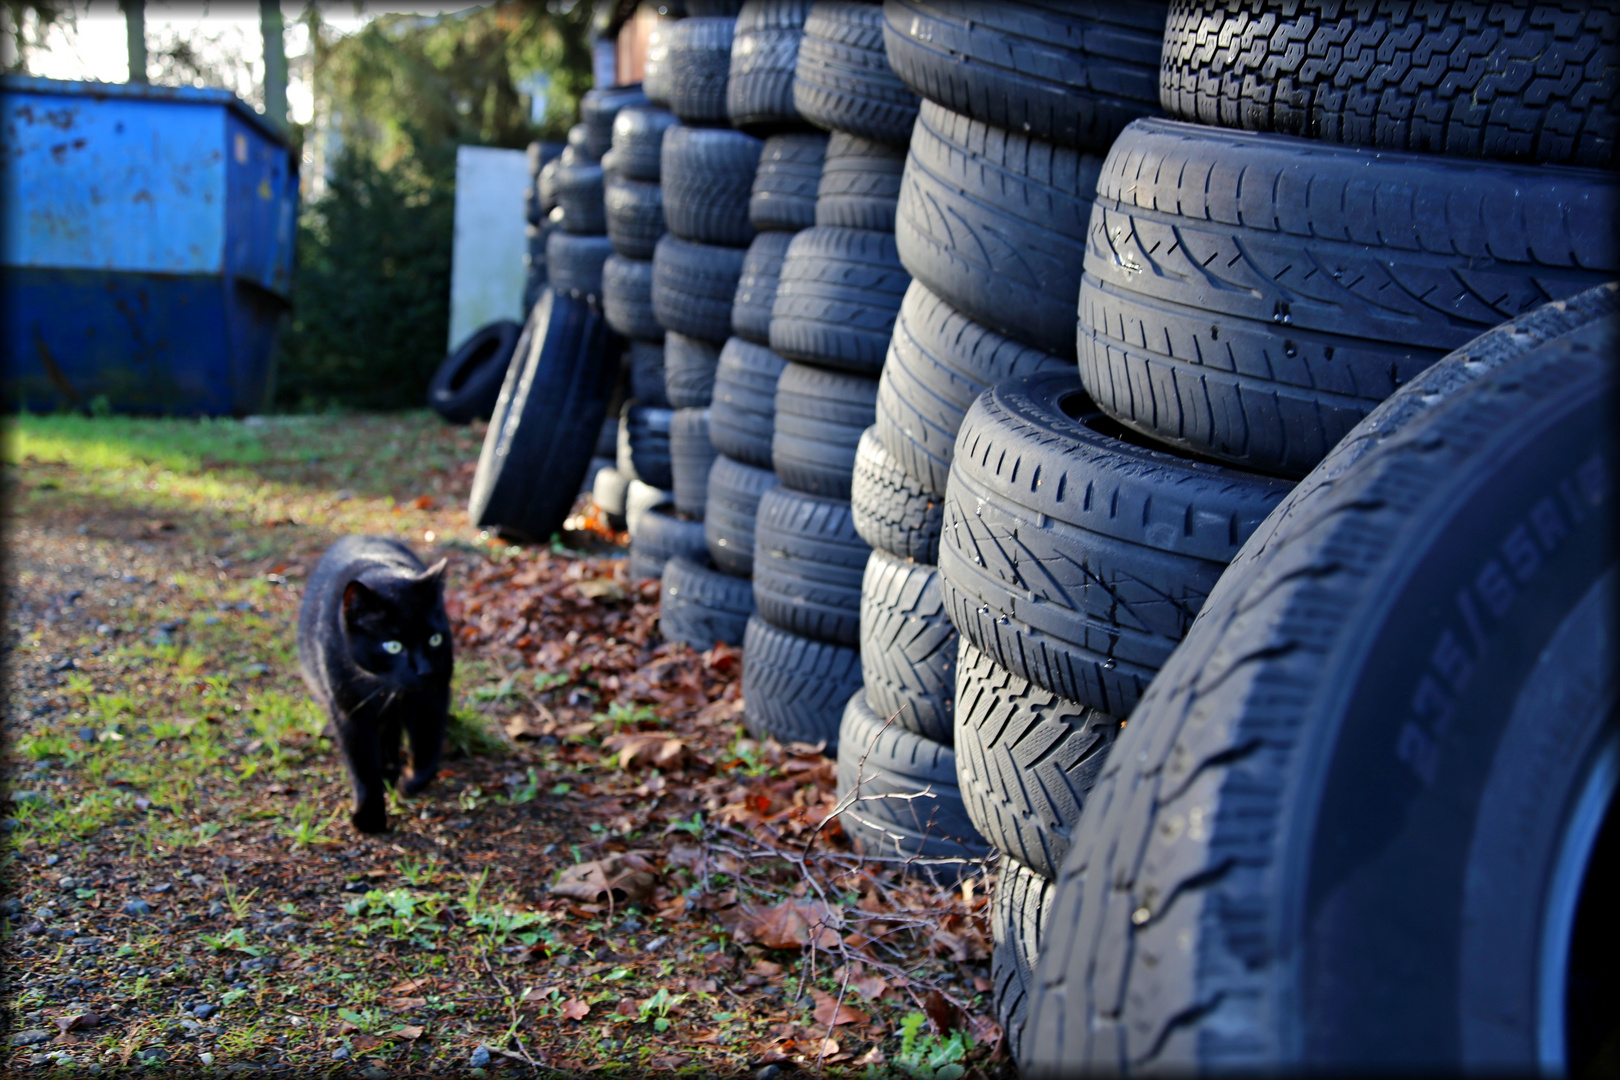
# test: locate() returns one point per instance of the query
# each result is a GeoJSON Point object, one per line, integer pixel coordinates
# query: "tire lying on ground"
{"type": "Point", "coordinates": [646, 374]}
{"type": "Point", "coordinates": [904, 802]}
{"type": "Point", "coordinates": [689, 367]}
{"type": "Point", "coordinates": [574, 264]}
{"type": "Point", "coordinates": [638, 141]}
{"type": "Point", "coordinates": [940, 360]}
{"type": "Point", "coordinates": [699, 605]}
{"type": "Point", "coordinates": [545, 422]}
{"type": "Point", "coordinates": [995, 223]}
{"type": "Point", "coordinates": [908, 646]}
{"type": "Point", "coordinates": [468, 382]}
{"type": "Point", "coordinates": [634, 212]}
{"type": "Point", "coordinates": [599, 110]}
{"type": "Point", "coordinates": [1522, 82]}
{"type": "Point", "coordinates": [742, 415]}
{"type": "Point", "coordinates": [627, 298]}
{"type": "Point", "coordinates": [694, 285]}
{"type": "Point", "coordinates": [795, 688]}
{"type": "Point", "coordinates": [1085, 581]}
{"type": "Point", "coordinates": [730, 513]}
{"type": "Point", "coordinates": [843, 81]}
{"type": "Point", "coordinates": [1026, 758]}
{"type": "Point", "coordinates": [690, 458]}
{"type": "Point", "coordinates": [695, 68]}
{"type": "Point", "coordinates": [708, 176]}
{"type": "Point", "coordinates": [1315, 299]}
{"type": "Point", "coordinates": [657, 536]}
{"type": "Point", "coordinates": [808, 563]}
{"type": "Point", "coordinates": [860, 183]}
{"type": "Point", "coordinates": [837, 297]}
{"type": "Point", "coordinates": [643, 450]}
{"type": "Point", "coordinates": [784, 191]}
{"type": "Point", "coordinates": [1073, 74]}
{"type": "Point", "coordinates": [756, 286]}
{"type": "Point", "coordinates": [1412, 644]}
{"type": "Point", "coordinates": [892, 511]}
{"type": "Point", "coordinates": [820, 416]}
{"type": "Point", "coordinates": [764, 52]}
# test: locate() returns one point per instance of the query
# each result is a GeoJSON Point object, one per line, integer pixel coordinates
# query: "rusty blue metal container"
{"type": "Point", "coordinates": [146, 248]}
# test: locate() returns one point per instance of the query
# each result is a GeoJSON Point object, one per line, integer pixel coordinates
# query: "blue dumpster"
{"type": "Point", "coordinates": [146, 245]}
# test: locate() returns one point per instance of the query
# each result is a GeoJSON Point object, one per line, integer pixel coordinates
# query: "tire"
{"type": "Point", "coordinates": [634, 212]}
{"type": "Point", "coordinates": [1529, 82]}
{"type": "Point", "coordinates": [1019, 903]}
{"type": "Point", "coordinates": [607, 436]}
{"type": "Point", "coordinates": [707, 8]}
{"type": "Point", "coordinates": [1075, 558]}
{"type": "Point", "coordinates": [1026, 758]}
{"type": "Point", "coordinates": [641, 497]}
{"type": "Point", "coordinates": [647, 373]}
{"type": "Point", "coordinates": [836, 300]}
{"type": "Point", "coordinates": [699, 605]}
{"type": "Point", "coordinates": [708, 174]}
{"type": "Point", "coordinates": [540, 154]}
{"type": "Point", "coordinates": [546, 185]}
{"type": "Point", "coordinates": [546, 417]}
{"type": "Point", "coordinates": [742, 416]}
{"type": "Point", "coordinates": [995, 223]}
{"type": "Point", "coordinates": [843, 81]}
{"type": "Point", "coordinates": [902, 796]}
{"type": "Point", "coordinates": [1407, 675]}
{"type": "Point", "coordinates": [599, 108]}
{"type": "Point", "coordinates": [795, 688]}
{"type": "Point", "coordinates": [579, 194]}
{"type": "Point", "coordinates": [728, 517]}
{"type": "Point", "coordinates": [578, 145]}
{"type": "Point", "coordinates": [892, 511]}
{"type": "Point", "coordinates": [808, 562]}
{"type": "Point", "coordinates": [1274, 378]}
{"type": "Point", "coordinates": [820, 415]}
{"type": "Point", "coordinates": [689, 366]}
{"type": "Point", "coordinates": [608, 491]}
{"type": "Point", "coordinates": [939, 361]}
{"type": "Point", "coordinates": [1068, 73]}
{"type": "Point", "coordinates": [756, 286]}
{"type": "Point", "coordinates": [627, 298]}
{"type": "Point", "coordinates": [860, 183]}
{"type": "Point", "coordinates": [574, 264]}
{"type": "Point", "coordinates": [908, 647]}
{"type": "Point", "coordinates": [696, 67]}
{"type": "Point", "coordinates": [690, 457]}
{"type": "Point", "coordinates": [764, 52]}
{"type": "Point", "coordinates": [643, 450]}
{"type": "Point", "coordinates": [531, 205]}
{"type": "Point", "coordinates": [655, 75]}
{"type": "Point", "coordinates": [638, 141]}
{"type": "Point", "coordinates": [468, 383]}
{"type": "Point", "coordinates": [657, 536]}
{"type": "Point", "coordinates": [694, 285]}
{"type": "Point", "coordinates": [784, 192]}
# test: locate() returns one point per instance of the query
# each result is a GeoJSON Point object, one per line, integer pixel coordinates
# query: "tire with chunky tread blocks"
{"type": "Point", "coordinates": [860, 183]}
{"type": "Point", "coordinates": [690, 457]}
{"type": "Point", "coordinates": [892, 511]}
{"type": "Point", "coordinates": [658, 536]}
{"type": "Point", "coordinates": [696, 66]}
{"type": "Point", "coordinates": [634, 213]}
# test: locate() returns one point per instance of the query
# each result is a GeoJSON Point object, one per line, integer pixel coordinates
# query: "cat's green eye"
{"type": "Point", "coordinates": [393, 648]}
{"type": "Point", "coordinates": [436, 640]}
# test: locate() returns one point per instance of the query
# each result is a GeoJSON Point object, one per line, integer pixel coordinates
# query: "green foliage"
{"type": "Point", "coordinates": [927, 1056]}
{"type": "Point", "coordinates": [470, 736]}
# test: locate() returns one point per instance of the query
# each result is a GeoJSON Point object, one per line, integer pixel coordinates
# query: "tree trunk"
{"type": "Point", "coordinates": [135, 25]}
{"type": "Point", "coordinates": [275, 64]}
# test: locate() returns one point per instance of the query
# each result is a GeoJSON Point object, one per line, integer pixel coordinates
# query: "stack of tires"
{"type": "Point", "coordinates": [1258, 275]}
{"type": "Point", "coordinates": [537, 222]}
{"type": "Point", "coordinates": [838, 286]}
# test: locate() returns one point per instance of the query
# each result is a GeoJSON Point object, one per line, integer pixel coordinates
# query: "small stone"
{"type": "Point", "coordinates": [480, 1056]}
{"type": "Point", "coordinates": [104, 630]}
{"type": "Point", "coordinates": [655, 944]}
{"type": "Point", "coordinates": [205, 1057]}
{"type": "Point", "coordinates": [215, 909]}
{"type": "Point", "coordinates": [31, 1038]}
{"type": "Point", "coordinates": [341, 1054]}
{"type": "Point", "coordinates": [153, 1055]}
{"type": "Point", "coordinates": [87, 734]}
{"type": "Point", "coordinates": [67, 883]}
{"type": "Point", "coordinates": [343, 495]}
{"type": "Point", "coordinates": [52, 860]}
{"type": "Point", "coordinates": [136, 907]}
{"type": "Point", "coordinates": [10, 905]}
{"type": "Point", "coordinates": [190, 1025]}
{"type": "Point", "coordinates": [45, 914]}
{"type": "Point", "coordinates": [255, 670]}
{"type": "Point", "coordinates": [167, 886]}
{"type": "Point", "coordinates": [35, 927]}
{"type": "Point", "coordinates": [203, 1011]}
{"type": "Point", "coordinates": [198, 880]}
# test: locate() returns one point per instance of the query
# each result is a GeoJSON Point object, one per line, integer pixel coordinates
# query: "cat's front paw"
{"type": "Point", "coordinates": [370, 819]}
{"type": "Point", "coordinates": [415, 782]}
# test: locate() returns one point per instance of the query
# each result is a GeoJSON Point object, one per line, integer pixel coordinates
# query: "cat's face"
{"type": "Point", "coordinates": [396, 626]}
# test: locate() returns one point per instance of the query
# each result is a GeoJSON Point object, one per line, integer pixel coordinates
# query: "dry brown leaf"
{"type": "Point", "coordinates": [362, 1043]}
{"type": "Point", "coordinates": [945, 1017]}
{"type": "Point", "coordinates": [600, 589]}
{"type": "Point", "coordinates": [411, 986]}
{"type": "Point", "coordinates": [870, 988]}
{"type": "Point", "coordinates": [575, 1009]}
{"type": "Point", "coordinates": [765, 969]}
{"type": "Point", "coordinates": [650, 748]}
{"type": "Point", "coordinates": [543, 722]}
{"type": "Point", "coordinates": [614, 878]}
{"type": "Point", "coordinates": [411, 1032]}
{"type": "Point", "coordinates": [77, 1021]}
{"type": "Point", "coordinates": [792, 924]}
{"type": "Point", "coordinates": [405, 1004]}
{"type": "Point", "coordinates": [830, 1012]}
{"type": "Point", "coordinates": [701, 986]}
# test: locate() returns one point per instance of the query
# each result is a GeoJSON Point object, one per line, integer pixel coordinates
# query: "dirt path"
{"type": "Point", "coordinates": [606, 875]}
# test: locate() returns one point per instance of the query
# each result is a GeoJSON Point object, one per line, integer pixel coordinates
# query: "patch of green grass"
{"type": "Point", "coordinates": [470, 735]}
{"type": "Point", "coordinates": [119, 442]}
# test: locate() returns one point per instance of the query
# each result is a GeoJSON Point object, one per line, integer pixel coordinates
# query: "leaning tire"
{"type": "Point", "coordinates": [908, 647]}
{"type": "Point", "coordinates": [808, 562]}
{"type": "Point", "coordinates": [696, 66]}
{"type": "Point", "coordinates": [689, 367]}
{"type": "Point", "coordinates": [892, 511]}
{"type": "Point", "coordinates": [694, 285]}
{"type": "Point", "coordinates": [1085, 581]}
{"type": "Point", "coordinates": [545, 422]}
{"type": "Point", "coordinates": [784, 192]}
{"type": "Point", "coordinates": [837, 298]}
{"type": "Point", "coordinates": [742, 417]}
{"type": "Point", "coordinates": [700, 606]}
{"type": "Point", "coordinates": [995, 223]}
{"type": "Point", "coordinates": [729, 516]}
{"type": "Point", "coordinates": [1310, 307]}
{"type": "Point", "coordinates": [756, 286]}
{"type": "Point", "coordinates": [820, 415]}
{"type": "Point", "coordinates": [627, 298]}
{"type": "Point", "coordinates": [708, 175]}
{"type": "Point", "coordinates": [843, 81]}
{"type": "Point", "coordinates": [468, 383]}
{"type": "Point", "coordinates": [1382, 671]}
{"type": "Point", "coordinates": [690, 458]}
{"type": "Point", "coordinates": [795, 688]}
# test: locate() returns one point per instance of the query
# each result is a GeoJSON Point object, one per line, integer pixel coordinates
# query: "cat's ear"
{"type": "Point", "coordinates": [434, 574]}
{"type": "Point", "coordinates": [358, 597]}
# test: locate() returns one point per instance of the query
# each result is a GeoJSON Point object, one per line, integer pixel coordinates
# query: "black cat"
{"type": "Point", "coordinates": [374, 647]}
